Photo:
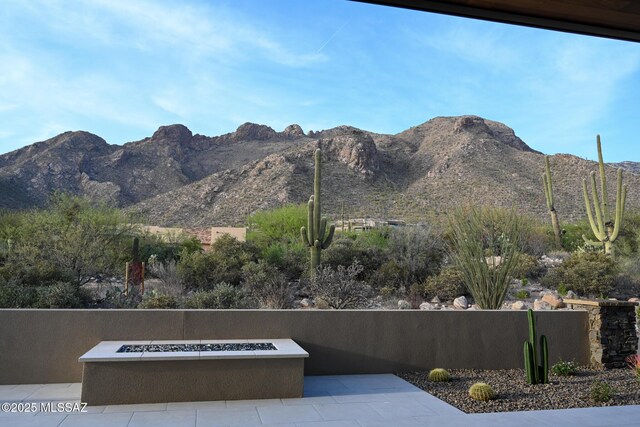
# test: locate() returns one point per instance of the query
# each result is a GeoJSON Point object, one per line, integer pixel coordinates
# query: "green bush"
{"type": "Point", "coordinates": [153, 300]}
{"type": "Point", "coordinates": [60, 295]}
{"type": "Point", "coordinates": [222, 263]}
{"type": "Point", "coordinates": [222, 296]}
{"type": "Point", "coordinates": [344, 252]}
{"type": "Point", "coordinates": [601, 392]}
{"type": "Point", "coordinates": [522, 294]}
{"type": "Point", "coordinates": [72, 240]}
{"type": "Point", "coordinates": [564, 368]}
{"type": "Point", "coordinates": [528, 267]}
{"type": "Point", "coordinates": [447, 285]}
{"type": "Point", "coordinates": [281, 225]}
{"type": "Point", "coordinates": [18, 296]}
{"type": "Point", "coordinates": [587, 273]}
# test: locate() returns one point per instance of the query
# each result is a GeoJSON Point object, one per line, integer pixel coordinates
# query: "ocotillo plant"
{"type": "Point", "coordinates": [536, 374]}
{"type": "Point", "coordinates": [313, 235]}
{"type": "Point", "coordinates": [547, 184]}
{"type": "Point", "coordinates": [604, 228]}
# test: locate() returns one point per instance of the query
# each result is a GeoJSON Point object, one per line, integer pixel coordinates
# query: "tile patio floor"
{"type": "Point", "coordinates": [330, 401]}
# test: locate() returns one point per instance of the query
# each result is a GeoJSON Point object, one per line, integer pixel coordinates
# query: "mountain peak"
{"type": "Point", "coordinates": [252, 131]}
{"type": "Point", "coordinates": [173, 133]}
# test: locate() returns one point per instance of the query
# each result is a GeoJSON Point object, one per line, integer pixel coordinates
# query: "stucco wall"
{"type": "Point", "coordinates": [43, 346]}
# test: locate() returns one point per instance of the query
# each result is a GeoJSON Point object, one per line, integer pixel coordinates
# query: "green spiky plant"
{"type": "Point", "coordinates": [313, 235]}
{"type": "Point", "coordinates": [439, 375]}
{"type": "Point", "coordinates": [604, 228]}
{"type": "Point", "coordinates": [536, 374]}
{"type": "Point", "coordinates": [547, 185]}
{"type": "Point", "coordinates": [482, 392]}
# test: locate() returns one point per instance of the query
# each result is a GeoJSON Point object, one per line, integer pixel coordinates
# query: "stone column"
{"type": "Point", "coordinates": [612, 331]}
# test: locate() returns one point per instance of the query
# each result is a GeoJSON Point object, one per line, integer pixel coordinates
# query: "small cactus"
{"type": "Point", "coordinates": [536, 373]}
{"type": "Point", "coordinates": [482, 392]}
{"type": "Point", "coordinates": [439, 375]}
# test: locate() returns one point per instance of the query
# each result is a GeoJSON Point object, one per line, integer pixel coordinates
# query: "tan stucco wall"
{"type": "Point", "coordinates": [43, 346]}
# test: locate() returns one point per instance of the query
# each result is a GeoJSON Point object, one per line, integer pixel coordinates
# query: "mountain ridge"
{"type": "Point", "coordinates": [175, 177]}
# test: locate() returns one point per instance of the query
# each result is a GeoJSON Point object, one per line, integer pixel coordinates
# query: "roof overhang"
{"type": "Point", "coordinates": [616, 19]}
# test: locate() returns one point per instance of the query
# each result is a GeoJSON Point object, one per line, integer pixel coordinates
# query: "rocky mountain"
{"type": "Point", "coordinates": [177, 178]}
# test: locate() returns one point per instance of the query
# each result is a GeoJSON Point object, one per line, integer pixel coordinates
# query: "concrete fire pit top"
{"type": "Point", "coordinates": [107, 351]}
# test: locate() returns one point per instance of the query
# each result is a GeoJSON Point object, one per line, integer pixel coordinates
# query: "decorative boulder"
{"type": "Point", "coordinates": [461, 303]}
{"type": "Point", "coordinates": [553, 300]}
{"type": "Point", "coordinates": [541, 305]}
{"type": "Point", "coordinates": [426, 306]}
{"type": "Point", "coordinates": [403, 305]}
{"type": "Point", "coordinates": [518, 305]}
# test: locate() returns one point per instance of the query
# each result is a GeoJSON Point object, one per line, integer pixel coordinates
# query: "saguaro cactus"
{"type": "Point", "coordinates": [313, 235]}
{"type": "Point", "coordinates": [536, 374]}
{"type": "Point", "coordinates": [604, 228]}
{"type": "Point", "coordinates": [547, 185]}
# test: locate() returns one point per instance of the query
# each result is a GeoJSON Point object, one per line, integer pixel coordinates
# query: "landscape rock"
{"type": "Point", "coordinates": [518, 305]}
{"type": "Point", "coordinates": [426, 306]}
{"type": "Point", "coordinates": [436, 300]}
{"type": "Point", "coordinates": [403, 305]}
{"type": "Point", "coordinates": [553, 300]}
{"type": "Point", "coordinates": [461, 303]}
{"type": "Point", "coordinates": [541, 305]}
{"type": "Point", "coordinates": [634, 299]}
{"type": "Point", "coordinates": [572, 295]}
{"type": "Point", "coordinates": [306, 303]}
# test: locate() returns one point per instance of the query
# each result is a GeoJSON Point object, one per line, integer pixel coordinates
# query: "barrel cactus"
{"type": "Point", "coordinates": [482, 392]}
{"type": "Point", "coordinates": [439, 375]}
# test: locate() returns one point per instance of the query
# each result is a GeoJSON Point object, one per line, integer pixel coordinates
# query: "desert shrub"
{"type": "Point", "coordinates": [17, 296]}
{"type": "Point", "coordinates": [587, 273]}
{"type": "Point", "coordinates": [572, 236]}
{"type": "Point", "coordinates": [222, 263]}
{"type": "Point", "coordinates": [478, 238]}
{"type": "Point", "coordinates": [155, 300]}
{"type": "Point", "coordinates": [340, 288]}
{"type": "Point", "coordinates": [528, 267]}
{"type": "Point", "coordinates": [167, 273]}
{"type": "Point", "coordinates": [72, 240]}
{"type": "Point", "coordinates": [267, 285]}
{"type": "Point", "coordinates": [168, 247]}
{"type": "Point", "coordinates": [221, 296]}
{"type": "Point", "coordinates": [564, 368]}
{"type": "Point", "coordinates": [633, 362]}
{"type": "Point", "coordinates": [447, 285]}
{"type": "Point", "coordinates": [116, 298]}
{"type": "Point", "coordinates": [60, 295]}
{"type": "Point", "coordinates": [601, 391]}
{"type": "Point", "coordinates": [345, 251]}
{"type": "Point", "coordinates": [418, 251]}
{"type": "Point", "coordinates": [388, 276]}
{"type": "Point", "coordinates": [522, 294]}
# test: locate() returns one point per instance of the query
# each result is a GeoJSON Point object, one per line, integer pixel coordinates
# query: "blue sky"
{"type": "Point", "coordinates": [121, 68]}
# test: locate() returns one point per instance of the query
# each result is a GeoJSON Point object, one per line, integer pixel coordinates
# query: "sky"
{"type": "Point", "coordinates": [122, 68]}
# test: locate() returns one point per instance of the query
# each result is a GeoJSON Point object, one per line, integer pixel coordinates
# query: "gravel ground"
{"type": "Point", "coordinates": [513, 393]}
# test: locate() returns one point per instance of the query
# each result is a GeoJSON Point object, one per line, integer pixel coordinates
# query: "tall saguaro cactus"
{"type": "Point", "coordinates": [536, 374]}
{"type": "Point", "coordinates": [604, 228]}
{"type": "Point", "coordinates": [313, 235]}
{"type": "Point", "coordinates": [547, 184]}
